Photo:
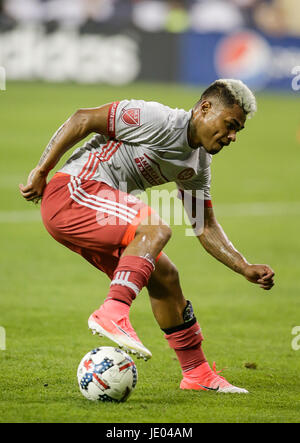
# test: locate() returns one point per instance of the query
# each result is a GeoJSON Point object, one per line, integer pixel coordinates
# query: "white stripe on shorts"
{"type": "Point", "coordinates": [99, 204]}
{"type": "Point", "coordinates": [116, 205]}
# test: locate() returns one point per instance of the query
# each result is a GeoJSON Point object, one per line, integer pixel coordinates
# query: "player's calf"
{"type": "Point", "coordinates": [166, 296]}
{"type": "Point", "coordinates": [131, 275]}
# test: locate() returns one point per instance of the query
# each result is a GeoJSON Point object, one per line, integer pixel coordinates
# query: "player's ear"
{"type": "Point", "coordinates": [205, 107]}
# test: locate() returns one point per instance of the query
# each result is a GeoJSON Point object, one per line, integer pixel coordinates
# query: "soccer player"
{"type": "Point", "coordinates": [87, 208]}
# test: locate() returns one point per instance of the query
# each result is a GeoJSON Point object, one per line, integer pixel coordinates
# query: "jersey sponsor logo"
{"type": "Point", "coordinates": [131, 117]}
{"type": "Point", "coordinates": [186, 174]}
{"type": "Point", "coordinates": [148, 172]}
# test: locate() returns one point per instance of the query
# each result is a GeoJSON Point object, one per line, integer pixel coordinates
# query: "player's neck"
{"type": "Point", "coordinates": [191, 135]}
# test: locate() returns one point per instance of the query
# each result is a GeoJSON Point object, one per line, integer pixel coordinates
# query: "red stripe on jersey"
{"type": "Point", "coordinates": [93, 172]}
{"type": "Point", "coordinates": [112, 152]}
{"type": "Point", "coordinates": [85, 166]}
{"type": "Point", "coordinates": [94, 160]}
{"type": "Point", "coordinates": [111, 122]}
{"type": "Point", "coordinates": [106, 149]}
{"type": "Point", "coordinates": [107, 152]}
{"type": "Point", "coordinates": [93, 165]}
{"type": "Point", "coordinates": [89, 169]}
{"type": "Point", "coordinates": [104, 156]}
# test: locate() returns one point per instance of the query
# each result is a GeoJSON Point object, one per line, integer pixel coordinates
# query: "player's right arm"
{"type": "Point", "coordinates": [212, 236]}
{"type": "Point", "coordinates": [215, 242]}
{"type": "Point", "coordinates": [75, 129]}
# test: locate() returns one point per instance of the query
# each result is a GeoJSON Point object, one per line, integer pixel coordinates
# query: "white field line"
{"type": "Point", "coordinates": [20, 216]}
{"type": "Point", "coordinates": [274, 209]}
{"type": "Point", "coordinates": [259, 209]}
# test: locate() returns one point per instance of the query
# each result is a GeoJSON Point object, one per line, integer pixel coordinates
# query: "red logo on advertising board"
{"type": "Point", "coordinates": [131, 117]}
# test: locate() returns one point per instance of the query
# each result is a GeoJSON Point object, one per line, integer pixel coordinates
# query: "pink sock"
{"type": "Point", "coordinates": [131, 275]}
{"type": "Point", "coordinates": [187, 345]}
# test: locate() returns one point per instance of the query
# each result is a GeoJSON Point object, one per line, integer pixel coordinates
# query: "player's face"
{"type": "Point", "coordinates": [214, 126]}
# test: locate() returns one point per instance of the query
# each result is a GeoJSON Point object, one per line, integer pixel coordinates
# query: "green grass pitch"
{"type": "Point", "coordinates": [47, 292]}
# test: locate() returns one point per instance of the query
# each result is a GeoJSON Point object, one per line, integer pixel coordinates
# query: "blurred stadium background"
{"type": "Point", "coordinates": [60, 55]}
{"type": "Point", "coordinates": [122, 41]}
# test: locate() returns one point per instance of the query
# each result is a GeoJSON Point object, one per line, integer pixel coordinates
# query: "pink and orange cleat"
{"type": "Point", "coordinates": [205, 379]}
{"type": "Point", "coordinates": [112, 321]}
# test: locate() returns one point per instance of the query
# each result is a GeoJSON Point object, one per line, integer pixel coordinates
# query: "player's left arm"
{"type": "Point", "coordinates": [216, 243]}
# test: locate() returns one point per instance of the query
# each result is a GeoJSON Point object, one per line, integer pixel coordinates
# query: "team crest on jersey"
{"type": "Point", "coordinates": [131, 117]}
{"type": "Point", "coordinates": [186, 174]}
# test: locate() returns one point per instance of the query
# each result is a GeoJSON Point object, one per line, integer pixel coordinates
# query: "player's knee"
{"type": "Point", "coordinates": [164, 233]}
{"type": "Point", "coordinates": [157, 234]}
{"type": "Point", "coordinates": [160, 236]}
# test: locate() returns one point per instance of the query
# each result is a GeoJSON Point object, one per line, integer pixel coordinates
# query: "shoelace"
{"type": "Point", "coordinates": [218, 372]}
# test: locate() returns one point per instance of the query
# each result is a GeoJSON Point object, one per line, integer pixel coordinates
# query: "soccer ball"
{"type": "Point", "coordinates": [107, 374]}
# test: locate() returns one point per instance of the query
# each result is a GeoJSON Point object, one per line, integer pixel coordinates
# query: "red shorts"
{"type": "Point", "coordinates": [92, 219]}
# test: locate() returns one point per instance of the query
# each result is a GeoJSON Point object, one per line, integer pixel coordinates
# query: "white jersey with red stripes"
{"type": "Point", "coordinates": [147, 146]}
